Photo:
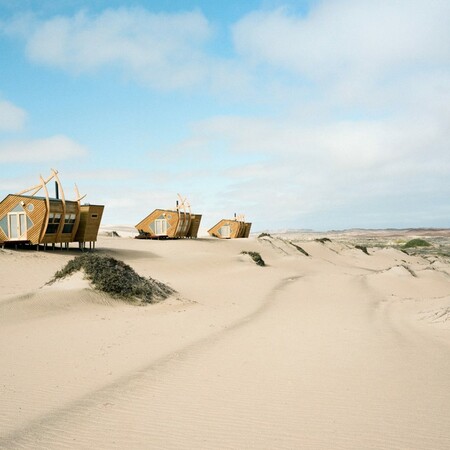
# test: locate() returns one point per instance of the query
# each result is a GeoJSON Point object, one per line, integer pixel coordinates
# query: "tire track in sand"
{"type": "Point", "coordinates": [312, 368]}
{"type": "Point", "coordinates": [26, 437]}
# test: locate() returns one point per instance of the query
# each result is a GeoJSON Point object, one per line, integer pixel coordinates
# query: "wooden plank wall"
{"type": "Point", "coordinates": [35, 208]}
{"type": "Point", "coordinates": [90, 218]}
{"type": "Point", "coordinates": [171, 217]}
{"type": "Point", "coordinates": [248, 226]}
{"type": "Point", "coordinates": [173, 221]}
{"type": "Point", "coordinates": [195, 225]}
{"type": "Point", "coordinates": [37, 215]}
{"type": "Point", "coordinates": [238, 229]}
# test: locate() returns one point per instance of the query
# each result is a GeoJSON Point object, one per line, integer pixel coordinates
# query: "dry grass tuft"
{"type": "Point", "coordinates": [115, 278]}
{"type": "Point", "coordinates": [256, 257]}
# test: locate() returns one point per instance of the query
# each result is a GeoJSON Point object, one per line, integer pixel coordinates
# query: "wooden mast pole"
{"type": "Point", "coordinates": [47, 204]}
{"type": "Point", "coordinates": [63, 199]}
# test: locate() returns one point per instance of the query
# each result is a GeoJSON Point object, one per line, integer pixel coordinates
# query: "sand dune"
{"type": "Point", "coordinates": [336, 350]}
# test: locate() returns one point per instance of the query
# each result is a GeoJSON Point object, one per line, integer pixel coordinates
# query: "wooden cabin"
{"type": "Point", "coordinates": [231, 228]}
{"type": "Point", "coordinates": [170, 224]}
{"type": "Point", "coordinates": [31, 219]}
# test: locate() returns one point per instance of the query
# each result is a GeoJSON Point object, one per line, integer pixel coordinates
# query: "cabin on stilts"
{"type": "Point", "coordinates": [231, 228]}
{"type": "Point", "coordinates": [170, 224]}
{"type": "Point", "coordinates": [26, 218]}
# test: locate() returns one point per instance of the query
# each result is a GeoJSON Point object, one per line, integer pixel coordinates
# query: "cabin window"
{"type": "Point", "coordinates": [94, 216]}
{"type": "Point", "coordinates": [4, 225]}
{"type": "Point", "coordinates": [69, 222]}
{"type": "Point", "coordinates": [18, 208]}
{"type": "Point", "coordinates": [53, 223]}
{"type": "Point", "coordinates": [30, 207]}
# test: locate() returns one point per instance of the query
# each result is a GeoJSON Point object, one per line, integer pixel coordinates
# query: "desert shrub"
{"type": "Point", "coordinates": [256, 257]}
{"type": "Point", "coordinates": [301, 250]}
{"type": "Point", "coordinates": [363, 248]}
{"type": "Point", "coordinates": [116, 278]}
{"type": "Point", "coordinates": [417, 243]}
{"type": "Point", "coordinates": [264, 235]}
{"type": "Point", "coordinates": [323, 240]}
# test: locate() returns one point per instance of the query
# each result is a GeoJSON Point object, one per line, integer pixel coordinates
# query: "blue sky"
{"type": "Point", "coordinates": [323, 114]}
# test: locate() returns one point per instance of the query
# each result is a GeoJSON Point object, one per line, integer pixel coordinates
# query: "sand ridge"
{"type": "Point", "coordinates": [337, 349]}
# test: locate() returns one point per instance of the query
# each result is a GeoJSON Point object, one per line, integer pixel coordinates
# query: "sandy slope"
{"type": "Point", "coordinates": [336, 350]}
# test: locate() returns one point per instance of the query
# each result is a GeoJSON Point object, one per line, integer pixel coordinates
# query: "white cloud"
{"type": "Point", "coordinates": [313, 169]}
{"type": "Point", "coordinates": [101, 175]}
{"type": "Point", "coordinates": [12, 118]}
{"type": "Point", "coordinates": [160, 50]}
{"type": "Point", "coordinates": [55, 148]}
{"type": "Point", "coordinates": [343, 143]}
{"type": "Point", "coordinates": [347, 38]}
{"type": "Point", "coordinates": [163, 50]}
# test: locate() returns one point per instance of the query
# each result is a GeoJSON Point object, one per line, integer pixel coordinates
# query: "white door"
{"type": "Point", "coordinates": [17, 226]}
{"type": "Point", "coordinates": [225, 231]}
{"type": "Point", "coordinates": [160, 227]}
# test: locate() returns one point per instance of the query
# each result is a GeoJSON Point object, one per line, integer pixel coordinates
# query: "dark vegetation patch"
{"type": "Point", "coordinates": [115, 278]}
{"type": "Point", "coordinates": [301, 250]}
{"type": "Point", "coordinates": [323, 240]}
{"type": "Point", "coordinates": [363, 248]}
{"type": "Point", "coordinates": [256, 257]}
{"type": "Point", "coordinates": [409, 270]}
{"type": "Point", "coordinates": [264, 235]}
{"type": "Point", "coordinates": [417, 243]}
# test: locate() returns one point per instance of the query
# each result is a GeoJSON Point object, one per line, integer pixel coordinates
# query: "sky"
{"type": "Point", "coordinates": [307, 114]}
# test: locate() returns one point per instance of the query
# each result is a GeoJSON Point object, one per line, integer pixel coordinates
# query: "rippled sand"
{"type": "Point", "coordinates": [335, 350]}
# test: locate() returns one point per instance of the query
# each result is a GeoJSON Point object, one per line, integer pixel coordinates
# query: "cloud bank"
{"type": "Point", "coordinates": [55, 148]}
{"type": "Point", "coordinates": [163, 50]}
{"type": "Point", "coordinates": [346, 37]}
{"type": "Point", "coordinates": [12, 118]}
